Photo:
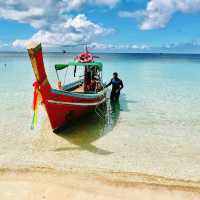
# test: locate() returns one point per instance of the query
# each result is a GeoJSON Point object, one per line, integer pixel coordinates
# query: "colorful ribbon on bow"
{"type": "Point", "coordinates": [36, 101]}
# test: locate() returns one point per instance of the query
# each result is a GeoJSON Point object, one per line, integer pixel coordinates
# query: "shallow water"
{"type": "Point", "coordinates": [154, 130]}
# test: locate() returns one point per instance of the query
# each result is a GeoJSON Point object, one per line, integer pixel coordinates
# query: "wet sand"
{"type": "Point", "coordinates": [74, 166]}
{"type": "Point", "coordinates": [41, 183]}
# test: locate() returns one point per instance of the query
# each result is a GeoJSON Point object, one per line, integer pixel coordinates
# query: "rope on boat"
{"type": "Point", "coordinates": [65, 76]}
{"type": "Point", "coordinates": [104, 112]}
{"type": "Point", "coordinates": [100, 113]}
{"type": "Point", "coordinates": [109, 110]}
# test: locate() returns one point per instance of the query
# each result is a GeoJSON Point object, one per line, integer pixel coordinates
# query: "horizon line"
{"type": "Point", "coordinates": [108, 52]}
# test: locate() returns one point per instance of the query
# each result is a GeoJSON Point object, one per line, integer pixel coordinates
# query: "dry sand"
{"type": "Point", "coordinates": [36, 184]}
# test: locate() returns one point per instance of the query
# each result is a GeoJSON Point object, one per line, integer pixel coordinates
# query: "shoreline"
{"type": "Point", "coordinates": [47, 183]}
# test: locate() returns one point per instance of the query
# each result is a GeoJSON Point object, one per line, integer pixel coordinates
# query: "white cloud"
{"type": "Point", "coordinates": [71, 31]}
{"type": "Point", "coordinates": [35, 14]}
{"type": "Point", "coordinates": [41, 13]}
{"type": "Point", "coordinates": [102, 46]}
{"type": "Point", "coordinates": [77, 4]}
{"type": "Point", "coordinates": [53, 20]}
{"type": "Point", "coordinates": [159, 12]}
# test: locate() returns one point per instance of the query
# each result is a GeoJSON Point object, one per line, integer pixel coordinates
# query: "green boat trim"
{"type": "Point", "coordinates": [82, 95]}
{"type": "Point", "coordinates": [98, 65]}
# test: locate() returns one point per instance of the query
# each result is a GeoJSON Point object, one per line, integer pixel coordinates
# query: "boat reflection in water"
{"type": "Point", "coordinates": [87, 130]}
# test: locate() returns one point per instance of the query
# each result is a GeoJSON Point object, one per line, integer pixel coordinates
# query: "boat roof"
{"type": "Point", "coordinates": [98, 65]}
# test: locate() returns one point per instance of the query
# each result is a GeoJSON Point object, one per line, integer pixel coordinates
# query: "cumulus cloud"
{"type": "Point", "coordinates": [40, 13]}
{"type": "Point", "coordinates": [53, 20]}
{"type": "Point", "coordinates": [34, 13]}
{"type": "Point", "coordinates": [71, 31]}
{"type": "Point", "coordinates": [159, 12]}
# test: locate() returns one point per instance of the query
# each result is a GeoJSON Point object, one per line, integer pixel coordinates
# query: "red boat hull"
{"type": "Point", "coordinates": [63, 108]}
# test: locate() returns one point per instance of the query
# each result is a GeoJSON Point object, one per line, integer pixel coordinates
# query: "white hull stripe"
{"type": "Point", "coordinates": [77, 104]}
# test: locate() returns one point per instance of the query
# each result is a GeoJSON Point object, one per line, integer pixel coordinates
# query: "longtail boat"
{"type": "Point", "coordinates": [73, 100]}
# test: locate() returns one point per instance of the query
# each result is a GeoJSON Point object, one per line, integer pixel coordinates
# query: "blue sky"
{"type": "Point", "coordinates": [106, 25]}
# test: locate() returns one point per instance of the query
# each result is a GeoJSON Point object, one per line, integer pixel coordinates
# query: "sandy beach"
{"type": "Point", "coordinates": [36, 184]}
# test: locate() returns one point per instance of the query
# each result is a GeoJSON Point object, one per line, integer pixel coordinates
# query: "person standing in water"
{"type": "Point", "coordinates": [117, 85]}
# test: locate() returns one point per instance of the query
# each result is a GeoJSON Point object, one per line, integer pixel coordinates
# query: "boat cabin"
{"type": "Point", "coordinates": [89, 82]}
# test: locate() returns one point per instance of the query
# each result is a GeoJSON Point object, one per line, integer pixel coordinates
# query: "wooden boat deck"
{"type": "Point", "coordinates": [79, 89]}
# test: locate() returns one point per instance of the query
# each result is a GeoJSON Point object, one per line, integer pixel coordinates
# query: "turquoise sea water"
{"type": "Point", "coordinates": [154, 130]}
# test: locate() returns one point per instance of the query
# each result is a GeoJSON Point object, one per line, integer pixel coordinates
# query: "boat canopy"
{"type": "Point", "coordinates": [98, 65]}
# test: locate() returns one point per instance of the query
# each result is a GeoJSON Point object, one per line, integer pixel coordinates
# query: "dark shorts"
{"type": "Point", "coordinates": [114, 96]}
